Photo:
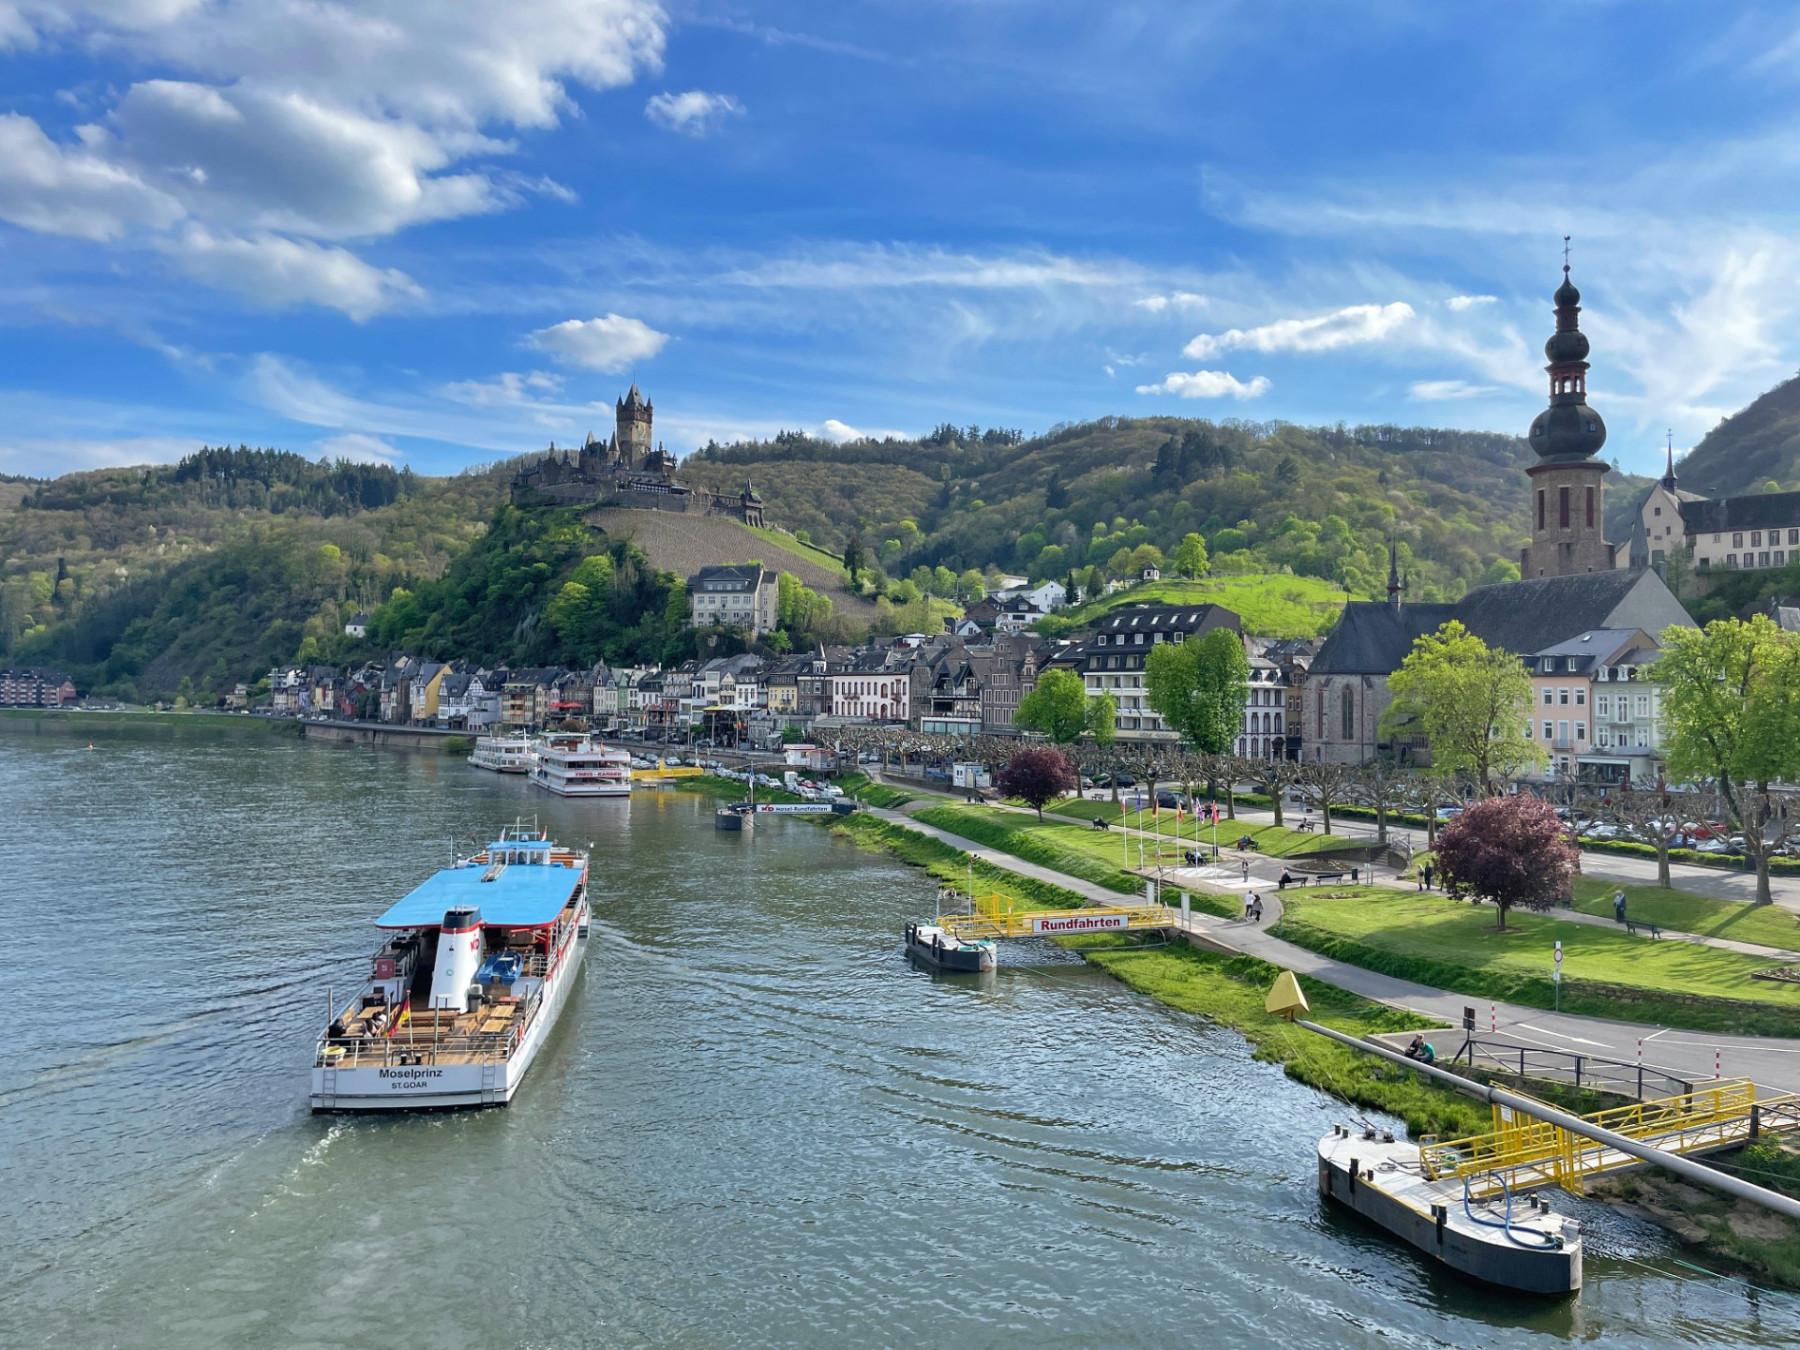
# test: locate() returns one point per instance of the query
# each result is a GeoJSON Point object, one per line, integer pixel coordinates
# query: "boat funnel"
{"type": "Point", "coordinates": [458, 958]}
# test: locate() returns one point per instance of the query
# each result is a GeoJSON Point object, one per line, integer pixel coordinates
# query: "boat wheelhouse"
{"type": "Point", "coordinates": [503, 754]}
{"type": "Point", "coordinates": [572, 765]}
{"type": "Point", "coordinates": [477, 963]}
{"type": "Point", "coordinates": [936, 946]}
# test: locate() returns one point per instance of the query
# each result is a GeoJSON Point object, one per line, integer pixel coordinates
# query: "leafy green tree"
{"type": "Point", "coordinates": [569, 609]}
{"type": "Point", "coordinates": [1472, 703]}
{"type": "Point", "coordinates": [1200, 687]}
{"type": "Point", "coordinates": [1731, 711]}
{"type": "Point", "coordinates": [973, 586]}
{"type": "Point", "coordinates": [1058, 707]}
{"type": "Point", "coordinates": [1103, 719]}
{"type": "Point", "coordinates": [853, 558]}
{"type": "Point", "coordinates": [1191, 559]}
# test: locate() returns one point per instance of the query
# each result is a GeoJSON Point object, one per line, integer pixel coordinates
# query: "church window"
{"type": "Point", "coordinates": [1322, 713]}
{"type": "Point", "coordinates": [1349, 714]}
{"type": "Point", "coordinates": [1562, 507]}
{"type": "Point", "coordinates": [1540, 508]}
{"type": "Point", "coordinates": [1590, 508]}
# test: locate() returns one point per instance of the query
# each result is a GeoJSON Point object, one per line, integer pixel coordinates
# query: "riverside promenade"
{"type": "Point", "coordinates": [1694, 1055]}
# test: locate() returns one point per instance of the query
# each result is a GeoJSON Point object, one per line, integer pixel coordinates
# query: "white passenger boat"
{"type": "Point", "coordinates": [461, 997]}
{"type": "Point", "coordinates": [503, 754]}
{"type": "Point", "coordinates": [570, 764]}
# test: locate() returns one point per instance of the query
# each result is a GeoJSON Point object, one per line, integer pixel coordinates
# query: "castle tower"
{"type": "Point", "coordinates": [1567, 482]}
{"type": "Point", "coordinates": [635, 414]}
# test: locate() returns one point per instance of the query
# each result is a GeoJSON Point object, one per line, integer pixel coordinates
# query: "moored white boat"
{"type": "Point", "coordinates": [504, 754]}
{"type": "Point", "coordinates": [463, 994]}
{"type": "Point", "coordinates": [572, 765]}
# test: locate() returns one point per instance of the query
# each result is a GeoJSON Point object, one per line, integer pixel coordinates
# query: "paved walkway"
{"type": "Point", "coordinates": [1694, 1055]}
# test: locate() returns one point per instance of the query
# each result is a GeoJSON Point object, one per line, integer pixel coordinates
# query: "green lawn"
{"type": "Point", "coordinates": [1276, 841]}
{"type": "Point", "coordinates": [949, 865]}
{"type": "Point", "coordinates": [1769, 925]}
{"type": "Point", "coordinates": [1275, 606]}
{"type": "Point", "coordinates": [1606, 972]}
{"type": "Point", "coordinates": [1074, 850]}
{"type": "Point", "coordinates": [858, 785]}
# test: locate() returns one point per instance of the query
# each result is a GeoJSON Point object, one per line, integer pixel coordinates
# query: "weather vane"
{"type": "Point", "coordinates": [1565, 253]}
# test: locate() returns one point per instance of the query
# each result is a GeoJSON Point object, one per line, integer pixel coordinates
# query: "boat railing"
{"type": "Point", "coordinates": [404, 1048]}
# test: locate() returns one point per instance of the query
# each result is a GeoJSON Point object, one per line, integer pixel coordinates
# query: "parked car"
{"type": "Point", "coordinates": [1172, 800]}
{"type": "Point", "coordinates": [1448, 812]}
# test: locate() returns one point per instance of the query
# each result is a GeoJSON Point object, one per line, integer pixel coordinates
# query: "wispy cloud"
{"type": "Point", "coordinates": [1208, 384]}
{"type": "Point", "coordinates": [1459, 303]}
{"type": "Point", "coordinates": [1178, 301]}
{"type": "Point", "coordinates": [356, 446]}
{"type": "Point", "coordinates": [1437, 391]}
{"type": "Point", "coordinates": [695, 113]}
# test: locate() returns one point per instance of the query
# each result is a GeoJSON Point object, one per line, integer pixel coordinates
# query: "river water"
{"type": "Point", "coordinates": [755, 1125]}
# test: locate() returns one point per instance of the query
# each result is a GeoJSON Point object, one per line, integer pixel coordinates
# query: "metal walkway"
{"type": "Point", "coordinates": [995, 917]}
{"type": "Point", "coordinates": [1523, 1153]}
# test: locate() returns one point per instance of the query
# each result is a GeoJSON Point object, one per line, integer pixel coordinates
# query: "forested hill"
{"type": "Point", "coordinates": [1751, 450]}
{"type": "Point", "coordinates": [1319, 501]}
{"type": "Point", "coordinates": [140, 579]}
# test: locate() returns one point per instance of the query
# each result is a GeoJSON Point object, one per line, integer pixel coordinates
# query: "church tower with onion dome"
{"type": "Point", "coordinates": [1568, 508]}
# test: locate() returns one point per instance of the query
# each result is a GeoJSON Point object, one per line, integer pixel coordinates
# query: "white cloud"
{"type": "Point", "coordinates": [63, 190]}
{"type": "Point", "coordinates": [1459, 303]}
{"type": "Point", "coordinates": [1436, 391]}
{"type": "Point", "coordinates": [277, 272]}
{"type": "Point", "coordinates": [355, 445]}
{"type": "Point", "coordinates": [695, 113]}
{"type": "Point", "coordinates": [1326, 332]}
{"type": "Point", "coordinates": [1177, 300]}
{"type": "Point", "coordinates": [611, 344]}
{"type": "Point", "coordinates": [508, 389]}
{"type": "Point", "coordinates": [311, 119]}
{"type": "Point", "coordinates": [1208, 384]}
{"type": "Point", "coordinates": [841, 432]}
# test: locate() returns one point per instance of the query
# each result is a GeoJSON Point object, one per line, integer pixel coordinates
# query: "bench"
{"type": "Point", "coordinates": [1314, 878]}
{"type": "Point", "coordinates": [1306, 826]}
{"type": "Point", "coordinates": [1634, 925]}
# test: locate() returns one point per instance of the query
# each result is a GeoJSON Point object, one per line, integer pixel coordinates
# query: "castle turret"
{"type": "Point", "coordinates": [635, 415]}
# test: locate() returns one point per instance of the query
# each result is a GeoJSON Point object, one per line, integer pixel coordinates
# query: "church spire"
{"type": "Point", "coordinates": [1668, 478]}
{"type": "Point", "coordinates": [1568, 430]}
{"type": "Point", "coordinates": [1394, 586]}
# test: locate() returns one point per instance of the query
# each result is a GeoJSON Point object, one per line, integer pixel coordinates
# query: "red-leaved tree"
{"type": "Point", "coordinates": [1511, 850]}
{"type": "Point", "coordinates": [1036, 776]}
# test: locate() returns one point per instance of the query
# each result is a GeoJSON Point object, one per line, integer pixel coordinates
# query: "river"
{"type": "Point", "coordinates": [755, 1125]}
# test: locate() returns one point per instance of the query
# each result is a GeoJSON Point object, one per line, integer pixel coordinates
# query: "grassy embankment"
{"type": "Point", "coordinates": [1606, 972]}
{"type": "Point", "coordinates": [78, 723]}
{"type": "Point", "coordinates": [870, 793]}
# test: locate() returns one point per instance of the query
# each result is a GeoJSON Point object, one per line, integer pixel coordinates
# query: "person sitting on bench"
{"type": "Point", "coordinates": [1287, 880]}
{"type": "Point", "coordinates": [1421, 1050]}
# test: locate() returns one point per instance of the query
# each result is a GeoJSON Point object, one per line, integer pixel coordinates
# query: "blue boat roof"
{"type": "Point", "coordinates": [524, 895]}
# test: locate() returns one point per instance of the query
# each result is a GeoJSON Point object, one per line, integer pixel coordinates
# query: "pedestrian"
{"type": "Point", "coordinates": [1256, 910]}
{"type": "Point", "coordinates": [1619, 905]}
{"type": "Point", "coordinates": [1249, 901]}
{"type": "Point", "coordinates": [1425, 873]}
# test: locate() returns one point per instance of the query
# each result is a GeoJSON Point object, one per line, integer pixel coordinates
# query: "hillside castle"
{"type": "Point", "coordinates": [626, 471]}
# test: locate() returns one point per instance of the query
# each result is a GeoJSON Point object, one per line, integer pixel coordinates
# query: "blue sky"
{"type": "Point", "coordinates": [445, 231]}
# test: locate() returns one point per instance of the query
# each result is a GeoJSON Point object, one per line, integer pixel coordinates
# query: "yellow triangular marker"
{"type": "Point", "coordinates": [1286, 999]}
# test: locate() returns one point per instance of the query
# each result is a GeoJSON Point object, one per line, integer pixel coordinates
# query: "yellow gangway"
{"type": "Point", "coordinates": [994, 916]}
{"type": "Point", "coordinates": [1524, 1152]}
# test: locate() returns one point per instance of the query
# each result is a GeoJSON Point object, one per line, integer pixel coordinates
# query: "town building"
{"type": "Point", "coordinates": [1596, 710]}
{"type": "Point", "coordinates": [1110, 660]}
{"type": "Point", "coordinates": [33, 687]}
{"type": "Point", "coordinates": [740, 596]}
{"type": "Point", "coordinates": [1346, 687]}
